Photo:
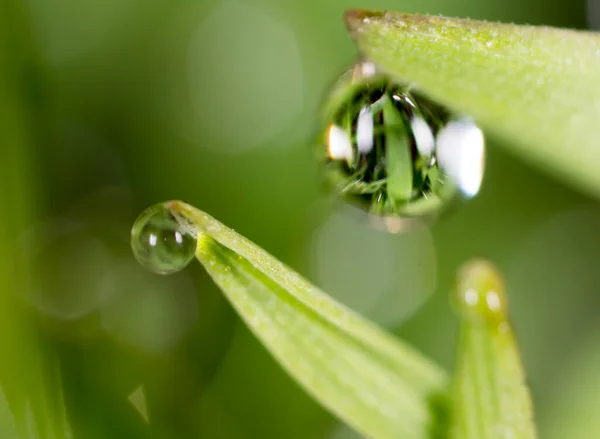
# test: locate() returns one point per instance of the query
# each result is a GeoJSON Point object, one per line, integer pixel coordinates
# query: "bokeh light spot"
{"type": "Point", "coordinates": [66, 268]}
{"type": "Point", "coordinates": [383, 276]}
{"type": "Point", "coordinates": [245, 78]}
{"type": "Point", "coordinates": [152, 313]}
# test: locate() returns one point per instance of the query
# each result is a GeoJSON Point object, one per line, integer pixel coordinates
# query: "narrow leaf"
{"type": "Point", "coordinates": [398, 156]}
{"type": "Point", "coordinates": [29, 378]}
{"type": "Point", "coordinates": [8, 429]}
{"type": "Point", "coordinates": [491, 399]}
{"type": "Point", "coordinates": [372, 381]}
{"type": "Point", "coordinates": [534, 88]}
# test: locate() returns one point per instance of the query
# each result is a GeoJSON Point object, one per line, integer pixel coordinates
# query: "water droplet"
{"type": "Point", "coordinates": [480, 294]}
{"type": "Point", "coordinates": [160, 242]}
{"type": "Point", "coordinates": [395, 153]}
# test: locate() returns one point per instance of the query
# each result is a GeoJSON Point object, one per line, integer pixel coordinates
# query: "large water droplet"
{"type": "Point", "coordinates": [160, 242]}
{"type": "Point", "coordinates": [394, 152]}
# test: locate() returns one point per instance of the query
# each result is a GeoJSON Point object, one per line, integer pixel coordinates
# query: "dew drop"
{"type": "Point", "coordinates": [395, 153]}
{"type": "Point", "coordinates": [480, 295]}
{"type": "Point", "coordinates": [160, 242]}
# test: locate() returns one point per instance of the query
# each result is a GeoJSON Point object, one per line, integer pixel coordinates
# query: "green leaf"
{"type": "Point", "coordinates": [398, 156]}
{"type": "Point", "coordinates": [8, 429]}
{"type": "Point", "coordinates": [491, 399]}
{"type": "Point", "coordinates": [372, 381]}
{"type": "Point", "coordinates": [536, 89]}
{"type": "Point", "coordinates": [39, 413]}
{"type": "Point", "coordinates": [31, 397]}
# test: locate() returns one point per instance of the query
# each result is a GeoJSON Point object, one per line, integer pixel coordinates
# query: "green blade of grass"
{"type": "Point", "coordinates": [491, 399]}
{"type": "Point", "coordinates": [8, 429]}
{"type": "Point", "coordinates": [372, 381]}
{"type": "Point", "coordinates": [398, 157]}
{"type": "Point", "coordinates": [534, 88]}
{"type": "Point", "coordinates": [32, 404]}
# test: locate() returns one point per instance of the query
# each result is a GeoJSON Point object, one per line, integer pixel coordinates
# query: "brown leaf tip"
{"type": "Point", "coordinates": [356, 18]}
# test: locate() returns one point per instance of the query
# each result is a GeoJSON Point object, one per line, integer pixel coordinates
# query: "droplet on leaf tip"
{"type": "Point", "coordinates": [160, 242]}
{"type": "Point", "coordinates": [480, 294]}
{"type": "Point", "coordinates": [395, 153]}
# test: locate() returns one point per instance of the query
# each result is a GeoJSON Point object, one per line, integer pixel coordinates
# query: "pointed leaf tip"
{"type": "Point", "coordinates": [490, 394]}
{"type": "Point", "coordinates": [480, 293]}
{"type": "Point", "coordinates": [355, 17]}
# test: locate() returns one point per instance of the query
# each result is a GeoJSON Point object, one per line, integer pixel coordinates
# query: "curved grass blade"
{"type": "Point", "coordinates": [534, 88]}
{"type": "Point", "coordinates": [372, 381]}
{"type": "Point", "coordinates": [491, 399]}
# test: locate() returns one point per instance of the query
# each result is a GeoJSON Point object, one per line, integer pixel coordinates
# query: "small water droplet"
{"type": "Point", "coordinates": [160, 242]}
{"type": "Point", "coordinates": [480, 294]}
{"type": "Point", "coordinates": [395, 153]}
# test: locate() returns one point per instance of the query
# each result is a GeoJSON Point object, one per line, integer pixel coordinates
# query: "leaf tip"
{"type": "Point", "coordinates": [355, 18]}
{"type": "Point", "coordinates": [480, 293]}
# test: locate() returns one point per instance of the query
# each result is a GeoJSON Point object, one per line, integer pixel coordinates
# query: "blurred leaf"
{"type": "Point", "coordinates": [535, 88]}
{"type": "Point", "coordinates": [574, 399]}
{"type": "Point", "coordinates": [29, 378]}
{"type": "Point", "coordinates": [375, 383]}
{"type": "Point", "coordinates": [8, 429]}
{"type": "Point", "coordinates": [491, 399]}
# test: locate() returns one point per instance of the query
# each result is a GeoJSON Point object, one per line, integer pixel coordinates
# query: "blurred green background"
{"type": "Point", "coordinates": [108, 106]}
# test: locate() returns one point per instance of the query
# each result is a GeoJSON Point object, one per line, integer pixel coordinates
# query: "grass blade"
{"type": "Point", "coordinates": [372, 381]}
{"type": "Point", "coordinates": [398, 155]}
{"type": "Point", "coordinates": [31, 396]}
{"type": "Point", "coordinates": [491, 399]}
{"type": "Point", "coordinates": [8, 429]}
{"type": "Point", "coordinates": [534, 88]}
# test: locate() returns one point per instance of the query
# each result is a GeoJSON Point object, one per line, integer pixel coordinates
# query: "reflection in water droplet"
{"type": "Point", "coordinates": [160, 243]}
{"type": "Point", "coordinates": [395, 153]}
{"type": "Point", "coordinates": [460, 153]}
